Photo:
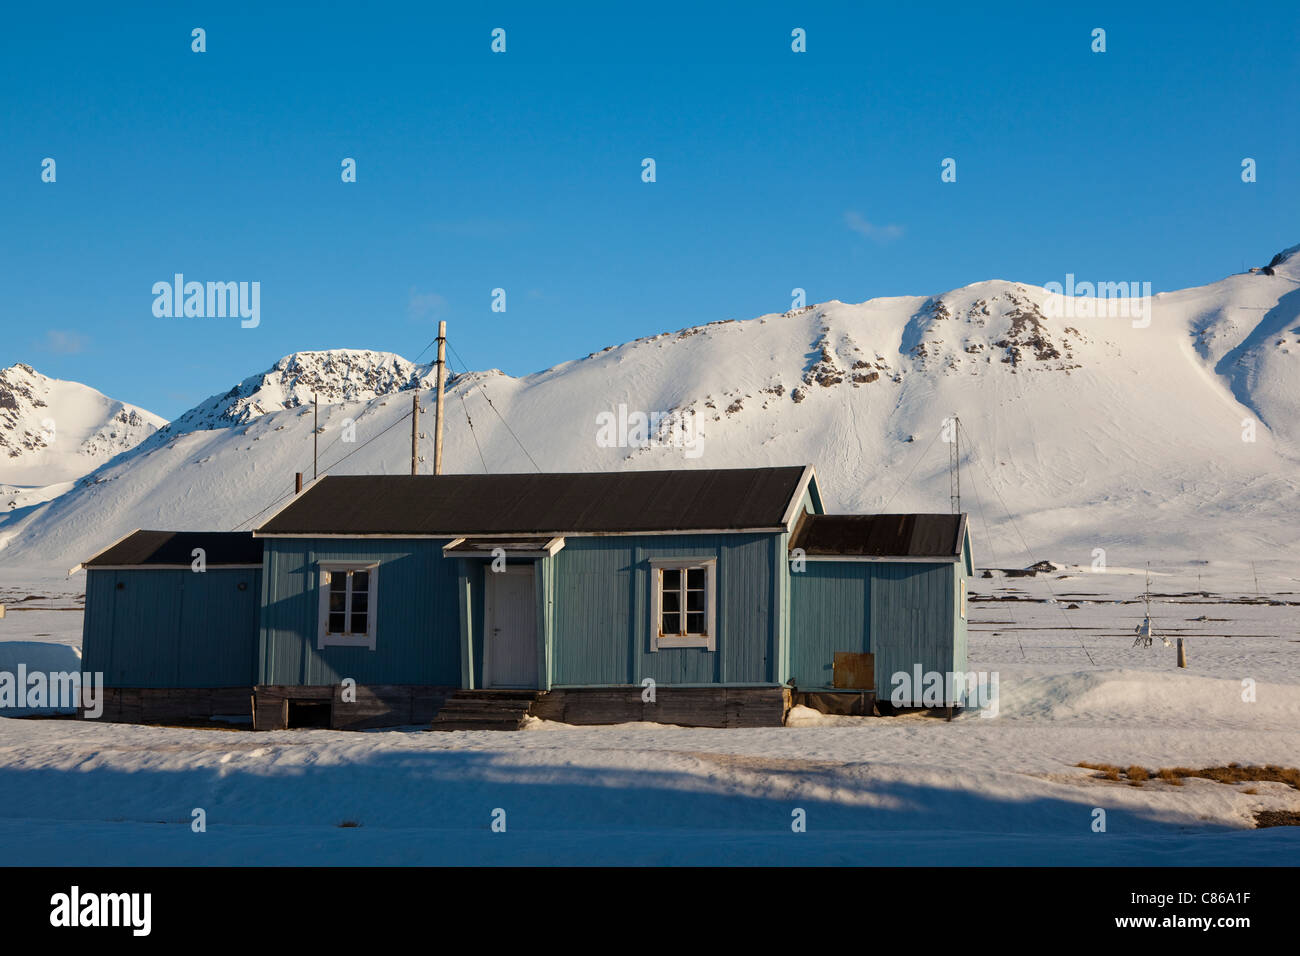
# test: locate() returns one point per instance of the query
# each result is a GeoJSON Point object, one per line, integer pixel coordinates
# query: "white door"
{"type": "Point", "coordinates": [510, 626]}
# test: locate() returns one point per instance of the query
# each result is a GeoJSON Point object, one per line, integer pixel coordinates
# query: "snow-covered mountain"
{"type": "Point", "coordinates": [52, 431]}
{"type": "Point", "coordinates": [334, 377]}
{"type": "Point", "coordinates": [1165, 427]}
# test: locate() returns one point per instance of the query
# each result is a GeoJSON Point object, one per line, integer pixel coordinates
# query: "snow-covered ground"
{"type": "Point", "coordinates": [874, 791]}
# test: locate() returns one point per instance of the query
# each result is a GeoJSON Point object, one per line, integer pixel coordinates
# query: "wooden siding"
{"type": "Point", "coordinates": [471, 585]}
{"type": "Point", "coordinates": [170, 628]}
{"type": "Point", "coordinates": [416, 631]}
{"type": "Point", "coordinates": [830, 611]}
{"type": "Point", "coordinates": [544, 578]}
{"type": "Point", "coordinates": [781, 572]}
{"type": "Point", "coordinates": [904, 614]}
{"type": "Point", "coordinates": [911, 620]}
{"type": "Point", "coordinates": [603, 602]}
{"type": "Point", "coordinates": [960, 583]}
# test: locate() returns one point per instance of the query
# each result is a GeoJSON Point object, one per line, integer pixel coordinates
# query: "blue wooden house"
{"type": "Point", "coordinates": [708, 597]}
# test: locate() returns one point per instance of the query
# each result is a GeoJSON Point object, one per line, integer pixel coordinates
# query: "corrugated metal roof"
{"type": "Point", "coordinates": [595, 502]}
{"type": "Point", "coordinates": [893, 536]}
{"type": "Point", "coordinates": [146, 548]}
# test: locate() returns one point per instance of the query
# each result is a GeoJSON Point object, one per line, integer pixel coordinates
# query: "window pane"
{"type": "Point", "coordinates": [337, 601]}
{"type": "Point", "coordinates": [338, 581]}
{"type": "Point", "coordinates": [695, 578]}
{"type": "Point", "coordinates": [672, 579]}
{"type": "Point", "coordinates": [360, 581]}
{"type": "Point", "coordinates": [694, 623]}
{"type": "Point", "coordinates": [695, 600]}
{"type": "Point", "coordinates": [358, 623]}
{"type": "Point", "coordinates": [672, 624]}
{"type": "Point", "coordinates": [360, 602]}
{"type": "Point", "coordinates": [336, 622]}
{"type": "Point", "coordinates": [672, 600]}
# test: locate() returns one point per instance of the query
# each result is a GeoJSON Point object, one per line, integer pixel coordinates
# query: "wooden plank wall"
{"type": "Point", "coordinates": [603, 594]}
{"type": "Point", "coordinates": [417, 637]}
{"type": "Point", "coordinates": [912, 609]}
{"type": "Point", "coordinates": [684, 706]}
{"type": "Point", "coordinates": [376, 705]}
{"type": "Point", "coordinates": [172, 628]}
{"type": "Point", "coordinates": [263, 708]}
{"type": "Point", "coordinates": [176, 706]}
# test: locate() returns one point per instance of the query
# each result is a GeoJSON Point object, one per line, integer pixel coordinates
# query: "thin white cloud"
{"type": "Point", "coordinates": [423, 305]}
{"type": "Point", "coordinates": [859, 224]}
{"type": "Point", "coordinates": [63, 342]}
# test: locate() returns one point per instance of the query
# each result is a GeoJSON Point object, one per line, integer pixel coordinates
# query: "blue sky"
{"type": "Point", "coordinates": [522, 170]}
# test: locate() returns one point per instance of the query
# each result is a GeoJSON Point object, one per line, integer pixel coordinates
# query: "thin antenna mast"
{"type": "Point", "coordinates": [954, 466]}
{"type": "Point", "coordinates": [442, 374]}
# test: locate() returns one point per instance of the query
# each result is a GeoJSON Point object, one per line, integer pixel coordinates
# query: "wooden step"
{"type": "Point", "coordinates": [494, 709]}
{"type": "Point", "coordinates": [469, 703]}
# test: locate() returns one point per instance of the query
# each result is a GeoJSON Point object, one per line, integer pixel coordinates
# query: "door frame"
{"type": "Point", "coordinates": [489, 614]}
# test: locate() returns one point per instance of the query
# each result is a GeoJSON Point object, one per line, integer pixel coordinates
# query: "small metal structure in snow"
{"type": "Point", "coordinates": [1145, 632]}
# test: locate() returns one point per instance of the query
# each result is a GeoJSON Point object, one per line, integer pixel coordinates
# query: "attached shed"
{"type": "Point", "coordinates": [169, 609]}
{"type": "Point", "coordinates": [875, 596]}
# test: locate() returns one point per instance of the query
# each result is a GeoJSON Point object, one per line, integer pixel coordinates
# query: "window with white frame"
{"type": "Point", "coordinates": [348, 600]}
{"type": "Point", "coordinates": [684, 602]}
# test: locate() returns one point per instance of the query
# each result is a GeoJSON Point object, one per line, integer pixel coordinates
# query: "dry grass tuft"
{"type": "Point", "coordinates": [1236, 773]}
{"type": "Point", "coordinates": [1277, 818]}
{"type": "Point", "coordinates": [1106, 770]}
{"type": "Point", "coordinates": [1233, 773]}
{"type": "Point", "coordinates": [1169, 777]}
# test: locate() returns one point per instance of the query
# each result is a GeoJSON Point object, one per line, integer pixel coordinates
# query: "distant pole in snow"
{"type": "Point", "coordinates": [1182, 653]}
{"type": "Point", "coordinates": [297, 482]}
{"type": "Point", "coordinates": [315, 432]}
{"type": "Point", "coordinates": [442, 373]}
{"type": "Point", "coordinates": [415, 432]}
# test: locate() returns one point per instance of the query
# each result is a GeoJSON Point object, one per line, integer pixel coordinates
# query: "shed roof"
{"type": "Point", "coordinates": [176, 548]}
{"type": "Point", "coordinates": [535, 504]}
{"type": "Point", "coordinates": [937, 536]}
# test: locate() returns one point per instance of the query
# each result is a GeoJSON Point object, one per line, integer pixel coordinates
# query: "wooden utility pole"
{"type": "Point", "coordinates": [1182, 653]}
{"type": "Point", "coordinates": [315, 433]}
{"type": "Point", "coordinates": [415, 432]}
{"type": "Point", "coordinates": [442, 374]}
